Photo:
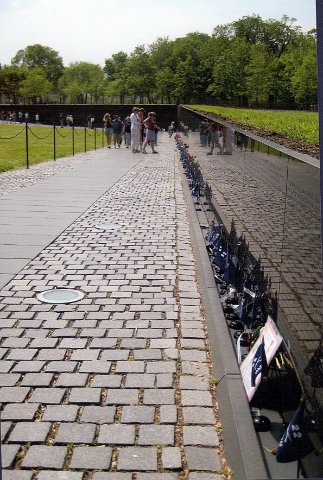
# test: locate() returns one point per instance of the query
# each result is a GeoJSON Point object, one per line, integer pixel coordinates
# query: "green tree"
{"type": "Point", "coordinates": [36, 86]}
{"type": "Point", "coordinates": [82, 80]}
{"type": "Point", "coordinates": [114, 65]}
{"type": "Point", "coordinates": [228, 83]}
{"type": "Point", "coordinates": [39, 56]}
{"type": "Point", "coordinates": [10, 81]}
{"type": "Point", "coordinates": [259, 75]}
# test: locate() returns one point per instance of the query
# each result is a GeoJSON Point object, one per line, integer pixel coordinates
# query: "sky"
{"type": "Point", "coordinates": [92, 30]}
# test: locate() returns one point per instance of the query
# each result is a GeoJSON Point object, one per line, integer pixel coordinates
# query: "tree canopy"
{"type": "Point", "coordinates": [248, 62]}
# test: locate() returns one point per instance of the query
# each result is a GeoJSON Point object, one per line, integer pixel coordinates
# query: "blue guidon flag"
{"type": "Point", "coordinates": [259, 363]}
{"type": "Point", "coordinates": [295, 443]}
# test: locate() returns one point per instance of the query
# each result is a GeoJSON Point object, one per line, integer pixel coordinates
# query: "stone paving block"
{"type": "Point", "coordinates": [204, 476]}
{"type": "Point", "coordinates": [64, 366]}
{"type": "Point", "coordinates": [65, 332]}
{"type": "Point", "coordinates": [159, 397]}
{"type": "Point", "coordinates": [130, 367]}
{"type": "Point", "coordinates": [72, 343]}
{"type": "Point", "coordinates": [51, 354]}
{"type": "Point", "coordinates": [13, 411]}
{"type": "Point", "coordinates": [9, 380]}
{"type": "Point", "coordinates": [190, 382]}
{"type": "Point", "coordinates": [117, 434]}
{"type": "Point", "coordinates": [103, 343]}
{"type": "Point", "coordinates": [16, 474]}
{"type": "Point", "coordinates": [10, 332]}
{"type": "Point", "coordinates": [133, 343]}
{"type": "Point", "coordinates": [36, 332]}
{"type": "Point", "coordinates": [168, 414]}
{"type": "Point", "coordinates": [29, 366]}
{"type": "Point", "coordinates": [37, 379]}
{"type": "Point", "coordinates": [111, 476]}
{"type": "Point", "coordinates": [14, 342]}
{"type": "Point", "coordinates": [95, 366]}
{"type": "Point", "coordinates": [204, 459]}
{"type": "Point", "coordinates": [43, 342]}
{"type": "Point", "coordinates": [83, 396]}
{"type": "Point", "coordinates": [137, 414]}
{"type": "Point", "coordinates": [13, 394]}
{"type": "Point", "coordinates": [47, 395]}
{"type": "Point", "coordinates": [171, 458]}
{"type": "Point", "coordinates": [85, 354]}
{"type": "Point", "coordinates": [196, 398]}
{"type": "Point", "coordinates": [193, 333]}
{"type": "Point", "coordinates": [75, 433]}
{"type": "Point", "coordinates": [143, 380]}
{"type": "Point", "coordinates": [35, 432]}
{"type": "Point", "coordinates": [115, 355]}
{"type": "Point", "coordinates": [147, 354]}
{"type": "Point", "coordinates": [98, 415]}
{"type": "Point", "coordinates": [91, 458]}
{"type": "Point", "coordinates": [72, 380]}
{"type": "Point", "coordinates": [60, 413]}
{"type": "Point", "coordinates": [156, 435]}
{"type": "Point", "coordinates": [108, 381]}
{"type": "Point", "coordinates": [199, 415]}
{"type": "Point", "coordinates": [164, 380]}
{"type": "Point", "coordinates": [93, 332]}
{"type": "Point", "coordinates": [8, 453]}
{"type": "Point", "coordinates": [42, 456]}
{"type": "Point", "coordinates": [122, 396]}
{"type": "Point", "coordinates": [5, 366]}
{"type": "Point", "coordinates": [137, 459]}
{"type": "Point", "coordinates": [161, 367]}
{"type": "Point", "coordinates": [152, 333]}
{"type": "Point", "coordinates": [157, 476]}
{"type": "Point", "coordinates": [192, 343]}
{"type": "Point", "coordinates": [195, 368]}
{"type": "Point", "coordinates": [63, 475]}
{"type": "Point", "coordinates": [204, 436]}
{"type": "Point", "coordinates": [22, 354]}
{"type": "Point", "coordinates": [5, 427]}
{"type": "Point", "coordinates": [193, 355]}
{"type": "Point", "coordinates": [162, 343]}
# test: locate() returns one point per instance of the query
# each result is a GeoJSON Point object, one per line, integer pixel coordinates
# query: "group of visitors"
{"type": "Point", "coordinates": [12, 117]}
{"type": "Point", "coordinates": [216, 135]}
{"type": "Point", "coordinates": [69, 120]}
{"type": "Point", "coordinates": [138, 130]}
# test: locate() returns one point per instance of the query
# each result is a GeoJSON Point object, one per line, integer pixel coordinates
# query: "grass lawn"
{"type": "Point", "coordinates": [41, 144]}
{"type": "Point", "coordinates": [297, 125]}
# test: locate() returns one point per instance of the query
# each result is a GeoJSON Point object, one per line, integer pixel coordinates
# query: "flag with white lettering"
{"type": "Point", "coordinates": [295, 443]}
{"type": "Point", "coordinates": [259, 363]}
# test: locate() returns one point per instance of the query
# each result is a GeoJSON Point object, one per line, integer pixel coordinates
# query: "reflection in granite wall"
{"type": "Point", "coordinates": [274, 199]}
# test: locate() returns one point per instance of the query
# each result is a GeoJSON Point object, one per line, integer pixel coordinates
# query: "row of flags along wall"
{"type": "Point", "coordinates": [249, 309]}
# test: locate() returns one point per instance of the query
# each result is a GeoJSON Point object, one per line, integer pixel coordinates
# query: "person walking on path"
{"type": "Point", "coordinates": [108, 128]}
{"type": "Point", "coordinates": [204, 126]}
{"type": "Point", "coordinates": [135, 130]}
{"type": "Point", "coordinates": [61, 120]}
{"type": "Point", "coordinates": [214, 133]}
{"type": "Point", "coordinates": [127, 132]}
{"type": "Point", "coordinates": [117, 126]}
{"type": "Point", "coordinates": [150, 125]}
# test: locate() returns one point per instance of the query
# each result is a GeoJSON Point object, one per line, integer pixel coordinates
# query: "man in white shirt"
{"type": "Point", "coordinates": [135, 130]}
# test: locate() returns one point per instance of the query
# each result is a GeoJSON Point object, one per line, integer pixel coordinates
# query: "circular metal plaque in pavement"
{"type": "Point", "coordinates": [60, 295]}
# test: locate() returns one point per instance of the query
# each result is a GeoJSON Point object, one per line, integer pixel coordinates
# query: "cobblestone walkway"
{"type": "Point", "coordinates": [117, 386]}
